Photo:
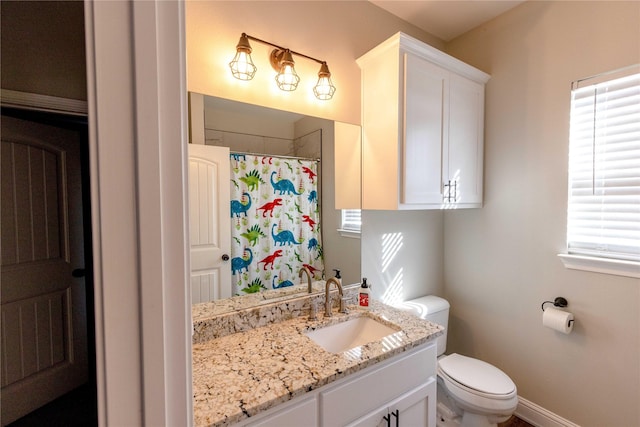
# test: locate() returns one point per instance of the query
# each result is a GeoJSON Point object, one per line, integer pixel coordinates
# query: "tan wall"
{"type": "Point", "coordinates": [43, 48]}
{"type": "Point", "coordinates": [500, 261]}
{"type": "Point", "coordinates": [335, 31]}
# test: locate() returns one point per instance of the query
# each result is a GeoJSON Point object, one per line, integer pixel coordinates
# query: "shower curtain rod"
{"type": "Point", "coordinates": [264, 136]}
{"type": "Point", "coordinates": [246, 153]}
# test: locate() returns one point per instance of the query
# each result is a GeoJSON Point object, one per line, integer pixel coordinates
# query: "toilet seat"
{"type": "Point", "coordinates": [476, 375]}
{"type": "Point", "coordinates": [477, 385]}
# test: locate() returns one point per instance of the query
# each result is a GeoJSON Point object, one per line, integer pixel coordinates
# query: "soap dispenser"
{"type": "Point", "coordinates": [337, 276]}
{"type": "Point", "coordinates": [363, 296]}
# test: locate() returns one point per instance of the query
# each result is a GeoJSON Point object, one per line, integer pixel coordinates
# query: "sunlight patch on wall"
{"type": "Point", "coordinates": [393, 294]}
{"type": "Point", "coordinates": [391, 244]}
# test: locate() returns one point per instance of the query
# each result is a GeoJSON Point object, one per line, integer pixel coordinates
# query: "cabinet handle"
{"type": "Point", "coordinates": [396, 414]}
{"type": "Point", "coordinates": [387, 418]}
{"type": "Point", "coordinates": [447, 192]}
{"type": "Point", "coordinates": [455, 191]}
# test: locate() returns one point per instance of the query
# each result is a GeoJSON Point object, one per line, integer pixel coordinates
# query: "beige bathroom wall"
{"type": "Point", "coordinates": [337, 32]}
{"type": "Point", "coordinates": [501, 261]}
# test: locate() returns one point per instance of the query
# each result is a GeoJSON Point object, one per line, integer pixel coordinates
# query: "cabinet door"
{"type": "Point", "coordinates": [365, 394]}
{"type": "Point", "coordinates": [414, 408]}
{"type": "Point", "coordinates": [463, 155]}
{"type": "Point", "coordinates": [301, 414]}
{"type": "Point", "coordinates": [425, 86]}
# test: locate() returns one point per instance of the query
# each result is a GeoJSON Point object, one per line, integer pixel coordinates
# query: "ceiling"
{"type": "Point", "coordinates": [446, 19]}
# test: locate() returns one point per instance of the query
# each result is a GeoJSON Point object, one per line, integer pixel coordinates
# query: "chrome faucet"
{"type": "Point", "coordinates": [305, 270]}
{"type": "Point", "coordinates": [327, 297]}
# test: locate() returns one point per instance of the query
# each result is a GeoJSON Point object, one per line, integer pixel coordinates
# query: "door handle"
{"type": "Point", "coordinates": [225, 257]}
{"type": "Point", "coordinates": [78, 272]}
{"type": "Point", "coordinates": [396, 414]}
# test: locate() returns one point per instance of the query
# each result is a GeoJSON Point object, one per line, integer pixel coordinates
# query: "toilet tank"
{"type": "Point", "coordinates": [433, 309]}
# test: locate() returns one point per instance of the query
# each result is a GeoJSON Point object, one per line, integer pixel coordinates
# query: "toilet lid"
{"type": "Point", "coordinates": [476, 374]}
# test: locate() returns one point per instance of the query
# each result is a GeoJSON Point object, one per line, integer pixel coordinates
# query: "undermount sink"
{"type": "Point", "coordinates": [349, 334]}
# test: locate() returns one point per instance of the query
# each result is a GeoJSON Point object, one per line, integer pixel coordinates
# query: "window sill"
{"type": "Point", "coordinates": [352, 234]}
{"type": "Point", "coordinates": [601, 265]}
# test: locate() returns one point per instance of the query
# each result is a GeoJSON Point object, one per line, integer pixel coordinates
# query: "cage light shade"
{"type": "Point", "coordinates": [287, 78]}
{"type": "Point", "coordinates": [242, 66]}
{"type": "Point", "coordinates": [324, 89]}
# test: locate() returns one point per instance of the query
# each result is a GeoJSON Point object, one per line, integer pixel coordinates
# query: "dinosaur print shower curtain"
{"type": "Point", "coordinates": [275, 222]}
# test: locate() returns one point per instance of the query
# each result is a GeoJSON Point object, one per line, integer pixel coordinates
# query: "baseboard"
{"type": "Point", "coordinates": [540, 417]}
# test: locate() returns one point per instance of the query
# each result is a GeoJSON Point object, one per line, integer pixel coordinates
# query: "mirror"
{"type": "Point", "coordinates": [274, 143]}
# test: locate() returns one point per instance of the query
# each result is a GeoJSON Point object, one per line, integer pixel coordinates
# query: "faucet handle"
{"type": "Point", "coordinates": [313, 310]}
{"type": "Point", "coordinates": [343, 305]}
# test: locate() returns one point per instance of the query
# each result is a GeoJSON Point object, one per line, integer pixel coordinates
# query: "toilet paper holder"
{"type": "Point", "coordinates": [558, 302]}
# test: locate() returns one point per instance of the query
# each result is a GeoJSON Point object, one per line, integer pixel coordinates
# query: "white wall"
{"type": "Point", "coordinates": [500, 261]}
{"type": "Point", "coordinates": [402, 253]}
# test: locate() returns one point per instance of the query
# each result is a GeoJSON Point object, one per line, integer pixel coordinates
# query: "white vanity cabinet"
{"type": "Point", "coordinates": [414, 408]}
{"type": "Point", "coordinates": [423, 128]}
{"type": "Point", "coordinates": [295, 413]}
{"type": "Point", "coordinates": [407, 385]}
{"type": "Point", "coordinates": [401, 389]}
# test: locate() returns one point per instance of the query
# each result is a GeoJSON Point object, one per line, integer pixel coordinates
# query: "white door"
{"type": "Point", "coordinates": [209, 222]}
{"type": "Point", "coordinates": [43, 311]}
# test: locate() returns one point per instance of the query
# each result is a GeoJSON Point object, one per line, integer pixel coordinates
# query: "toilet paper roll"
{"type": "Point", "coordinates": [559, 320]}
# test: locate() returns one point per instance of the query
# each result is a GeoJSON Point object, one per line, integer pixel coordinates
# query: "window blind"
{"type": "Point", "coordinates": [604, 169]}
{"type": "Point", "coordinates": [351, 220]}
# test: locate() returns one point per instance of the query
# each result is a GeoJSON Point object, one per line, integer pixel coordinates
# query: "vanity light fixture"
{"type": "Point", "coordinates": [324, 89]}
{"type": "Point", "coordinates": [281, 60]}
{"type": "Point", "coordinates": [242, 66]}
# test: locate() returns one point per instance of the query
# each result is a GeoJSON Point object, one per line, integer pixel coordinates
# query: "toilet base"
{"type": "Point", "coordinates": [445, 418]}
{"type": "Point", "coordinates": [448, 414]}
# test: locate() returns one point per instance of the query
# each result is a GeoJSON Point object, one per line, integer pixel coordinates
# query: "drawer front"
{"type": "Point", "coordinates": [353, 399]}
{"type": "Point", "coordinates": [300, 414]}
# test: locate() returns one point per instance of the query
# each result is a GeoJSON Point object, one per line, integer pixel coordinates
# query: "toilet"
{"type": "Point", "coordinates": [471, 393]}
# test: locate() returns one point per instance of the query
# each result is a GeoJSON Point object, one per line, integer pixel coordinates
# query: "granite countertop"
{"type": "Point", "coordinates": [239, 375]}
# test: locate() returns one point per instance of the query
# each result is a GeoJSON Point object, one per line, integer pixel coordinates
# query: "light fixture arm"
{"type": "Point", "coordinates": [283, 48]}
{"type": "Point", "coordinates": [281, 59]}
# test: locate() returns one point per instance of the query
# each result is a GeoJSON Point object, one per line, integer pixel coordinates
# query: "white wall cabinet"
{"type": "Point", "coordinates": [423, 128]}
{"type": "Point", "coordinates": [402, 389]}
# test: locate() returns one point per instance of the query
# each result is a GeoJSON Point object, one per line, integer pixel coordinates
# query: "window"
{"type": "Point", "coordinates": [351, 223]}
{"type": "Point", "coordinates": [603, 219]}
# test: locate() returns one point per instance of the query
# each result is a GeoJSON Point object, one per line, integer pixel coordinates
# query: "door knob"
{"type": "Point", "coordinates": [225, 257]}
{"type": "Point", "coordinates": [78, 272]}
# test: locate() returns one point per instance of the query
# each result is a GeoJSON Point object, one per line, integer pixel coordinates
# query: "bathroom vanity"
{"type": "Point", "coordinates": [274, 373]}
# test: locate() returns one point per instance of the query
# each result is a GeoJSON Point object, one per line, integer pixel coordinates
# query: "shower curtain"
{"type": "Point", "coordinates": [275, 222]}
